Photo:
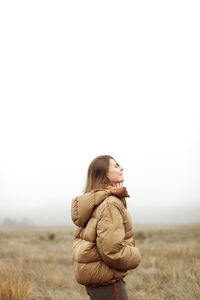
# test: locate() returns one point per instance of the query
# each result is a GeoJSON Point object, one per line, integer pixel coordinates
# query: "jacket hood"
{"type": "Point", "coordinates": [83, 205]}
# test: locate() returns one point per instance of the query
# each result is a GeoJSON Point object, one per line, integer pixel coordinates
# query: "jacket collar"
{"type": "Point", "coordinates": [120, 192]}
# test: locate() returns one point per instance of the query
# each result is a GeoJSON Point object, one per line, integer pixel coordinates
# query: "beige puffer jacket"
{"type": "Point", "coordinates": [103, 249]}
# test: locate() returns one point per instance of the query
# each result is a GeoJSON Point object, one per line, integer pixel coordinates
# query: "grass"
{"type": "Point", "coordinates": [13, 284]}
{"type": "Point", "coordinates": [35, 264]}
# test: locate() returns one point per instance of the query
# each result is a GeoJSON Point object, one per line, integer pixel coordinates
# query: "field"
{"type": "Point", "coordinates": [35, 264]}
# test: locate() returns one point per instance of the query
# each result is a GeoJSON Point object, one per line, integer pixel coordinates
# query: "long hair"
{"type": "Point", "coordinates": [97, 173]}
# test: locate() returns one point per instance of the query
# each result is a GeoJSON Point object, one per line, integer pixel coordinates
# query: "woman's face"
{"type": "Point", "coordinates": [115, 172]}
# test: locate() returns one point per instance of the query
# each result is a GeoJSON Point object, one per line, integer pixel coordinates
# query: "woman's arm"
{"type": "Point", "coordinates": [111, 243]}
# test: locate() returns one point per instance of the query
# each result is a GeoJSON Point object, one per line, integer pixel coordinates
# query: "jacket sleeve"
{"type": "Point", "coordinates": [111, 244]}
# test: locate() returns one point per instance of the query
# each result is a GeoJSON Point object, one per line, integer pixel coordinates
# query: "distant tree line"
{"type": "Point", "coordinates": [12, 222]}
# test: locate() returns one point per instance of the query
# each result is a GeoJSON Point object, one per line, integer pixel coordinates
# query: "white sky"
{"type": "Point", "coordinates": [84, 78]}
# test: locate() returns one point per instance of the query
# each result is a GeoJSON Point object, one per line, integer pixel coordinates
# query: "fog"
{"type": "Point", "coordinates": [81, 79]}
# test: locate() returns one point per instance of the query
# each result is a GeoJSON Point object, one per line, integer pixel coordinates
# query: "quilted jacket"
{"type": "Point", "coordinates": [103, 248]}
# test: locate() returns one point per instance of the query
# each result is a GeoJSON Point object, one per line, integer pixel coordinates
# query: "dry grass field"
{"type": "Point", "coordinates": [35, 264]}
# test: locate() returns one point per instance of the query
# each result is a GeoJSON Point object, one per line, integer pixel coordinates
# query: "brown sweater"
{"type": "Point", "coordinates": [103, 249]}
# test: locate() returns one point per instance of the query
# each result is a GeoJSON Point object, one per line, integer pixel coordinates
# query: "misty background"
{"type": "Point", "coordinates": [85, 78]}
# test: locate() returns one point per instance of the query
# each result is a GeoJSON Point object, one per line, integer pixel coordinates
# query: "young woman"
{"type": "Point", "coordinates": [104, 248]}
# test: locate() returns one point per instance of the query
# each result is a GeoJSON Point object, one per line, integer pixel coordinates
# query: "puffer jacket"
{"type": "Point", "coordinates": [103, 249]}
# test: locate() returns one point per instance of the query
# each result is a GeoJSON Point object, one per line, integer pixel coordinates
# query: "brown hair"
{"type": "Point", "coordinates": [97, 173]}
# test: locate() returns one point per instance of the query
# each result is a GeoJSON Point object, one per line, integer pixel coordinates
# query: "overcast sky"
{"type": "Point", "coordinates": [85, 78]}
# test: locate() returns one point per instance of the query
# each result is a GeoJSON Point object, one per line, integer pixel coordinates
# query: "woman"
{"type": "Point", "coordinates": [103, 249]}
